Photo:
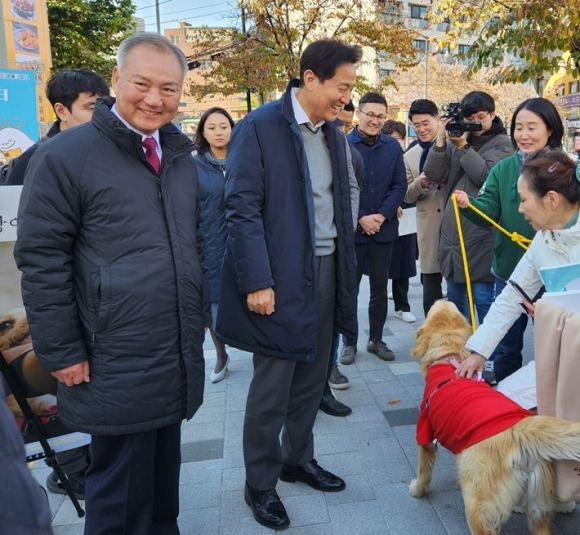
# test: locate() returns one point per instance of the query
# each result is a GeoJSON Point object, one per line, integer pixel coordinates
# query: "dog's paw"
{"type": "Point", "coordinates": [564, 507]}
{"type": "Point", "coordinates": [416, 490]}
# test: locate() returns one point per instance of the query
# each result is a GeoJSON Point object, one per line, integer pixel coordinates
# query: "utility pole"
{"type": "Point", "coordinates": [157, 17]}
{"type": "Point", "coordinates": [248, 94]}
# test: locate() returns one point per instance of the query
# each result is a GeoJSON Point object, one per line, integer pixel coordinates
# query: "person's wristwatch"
{"type": "Point", "coordinates": [465, 147]}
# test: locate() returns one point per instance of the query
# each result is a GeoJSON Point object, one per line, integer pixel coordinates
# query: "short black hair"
{"type": "Point", "coordinates": [350, 107]}
{"type": "Point", "coordinates": [546, 111]}
{"type": "Point", "coordinates": [323, 57]}
{"type": "Point", "coordinates": [200, 140]}
{"type": "Point", "coordinates": [66, 86]}
{"type": "Point", "coordinates": [391, 126]}
{"type": "Point", "coordinates": [373, 98]}
{"type": "Point", "coordinates": [477, 101]}
{"type": "Point", "coordinates": [423, 106]}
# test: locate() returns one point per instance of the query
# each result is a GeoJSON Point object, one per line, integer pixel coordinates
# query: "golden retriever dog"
{"type": "Point", "coordinates": [503, 452]}
{"type": "Point", "coordinates": [13, 328]}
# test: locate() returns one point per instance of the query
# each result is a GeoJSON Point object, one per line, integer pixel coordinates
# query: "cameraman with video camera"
{"type": "Point", "coordinates": [470, 141]}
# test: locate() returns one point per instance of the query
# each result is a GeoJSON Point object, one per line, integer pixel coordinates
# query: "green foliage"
{"type": "Point", "coordinates": [87, 33]}
{"type": "Point", "coordinates": [278, 31]}
{"type": "Point", "coordinates": [519, 40]}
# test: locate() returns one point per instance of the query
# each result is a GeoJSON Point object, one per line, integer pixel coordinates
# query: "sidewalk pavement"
{"type": "Point", "coordinates": [373, 449]}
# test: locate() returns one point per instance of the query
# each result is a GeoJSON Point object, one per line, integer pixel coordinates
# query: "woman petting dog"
{"type": "Point", "coordinates": [504, 461]}
{"type": "Point", "coordinates": [549, 189]}
{"type": "Point", "coordinates": [503, 452]}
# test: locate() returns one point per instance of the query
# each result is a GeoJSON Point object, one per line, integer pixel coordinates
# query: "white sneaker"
{"type": "Point", "coordinates": [409, 317]}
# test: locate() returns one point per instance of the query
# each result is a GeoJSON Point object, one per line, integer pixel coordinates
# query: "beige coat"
{"type": "Point", "coordinates": [557, 347]}
{"type": "Point", "coordinates": [430, 204]}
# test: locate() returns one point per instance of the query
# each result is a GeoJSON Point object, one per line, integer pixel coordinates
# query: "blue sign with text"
{"type": "Point", "coordinates": [18, 117]}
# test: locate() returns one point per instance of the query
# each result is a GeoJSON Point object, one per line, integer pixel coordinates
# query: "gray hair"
{"type": "Point", "coordinates": [150, 39]}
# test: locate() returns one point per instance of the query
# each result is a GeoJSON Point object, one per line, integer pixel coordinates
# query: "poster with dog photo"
{"type": "Point", "coordinates": [16, 345]}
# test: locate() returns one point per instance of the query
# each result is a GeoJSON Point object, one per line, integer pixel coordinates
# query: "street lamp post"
{"type": "Point", "coordinates": [158, 19]}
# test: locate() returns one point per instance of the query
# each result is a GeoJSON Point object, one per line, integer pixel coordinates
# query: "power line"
{"type": "Point", "coordinates": [191, 17]}
{"type": "Point", "coordinates": [152, 5]}
{"type": "Point", "coordinates": [188, 10]}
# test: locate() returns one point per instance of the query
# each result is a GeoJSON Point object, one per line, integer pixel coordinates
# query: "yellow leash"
{"type": "Point", "coordinates": [522, 241]}
{"type": "Point", "coordinates": [465, 266]}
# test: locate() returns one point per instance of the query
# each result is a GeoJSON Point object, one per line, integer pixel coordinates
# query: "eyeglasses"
{"type": "Point", "coordinates": [478, 117]}
{"type": "Point", "coordinates": [372, 117]}
{"type": "Point", "coordinates": [422, 124]}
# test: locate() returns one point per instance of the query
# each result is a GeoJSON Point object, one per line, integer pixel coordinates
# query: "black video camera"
{"type": "Point", "coordinates": [458, 125]}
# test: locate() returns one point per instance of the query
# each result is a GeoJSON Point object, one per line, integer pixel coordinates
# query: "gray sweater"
{"type": "Point", "coordinates": [320, 168]}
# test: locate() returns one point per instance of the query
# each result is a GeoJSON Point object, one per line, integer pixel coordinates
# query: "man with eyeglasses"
{"type": "Point", "coordinates": [430, 198]}
{"type": "Point", "coordinates": [383, 190]}
{"type": "Point", "coordinates": [463, 163]}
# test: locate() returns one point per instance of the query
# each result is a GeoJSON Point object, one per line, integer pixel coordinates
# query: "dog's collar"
{"type": "Point", "coordinates": [452, 358]}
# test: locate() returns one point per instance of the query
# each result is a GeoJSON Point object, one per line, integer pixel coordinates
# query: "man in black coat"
{"type": "Point", "coordinates": [114, 289]}
{"type": "Point", "coordinates": [289, 273]}
{"type": "Point", "coordinates": [72, 94]}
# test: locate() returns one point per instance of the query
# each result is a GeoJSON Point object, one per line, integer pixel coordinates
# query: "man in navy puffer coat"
{"type": "Point", "coordinates": [289, 269]}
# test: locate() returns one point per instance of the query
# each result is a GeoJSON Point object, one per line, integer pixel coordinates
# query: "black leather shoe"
{"type": "Point", "coordinates": [267, 507]}
{"type": "Point", "coordinates": [312, 474]}
{"type": "Point", "coordinates": [332, 406]}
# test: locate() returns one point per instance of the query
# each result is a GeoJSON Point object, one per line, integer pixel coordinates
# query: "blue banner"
{"type": "Point", "coordinates": [18, 117]}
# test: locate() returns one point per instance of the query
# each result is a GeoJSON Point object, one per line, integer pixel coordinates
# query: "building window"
{"type": "Point", "coordinates": [574, 87]}
{"type": "Point", "coordinates": [175, 38]}
{"type": "Point", "coordinates": [443, 26]}
{"type": "Point", "coordinates": [461, 57]}
{"type": "Point", "coordinates": [392, 11]}
{"type": "Point", "coordinates": [421, 47]}
{"type": "Point", "coordinates": [418, 16]}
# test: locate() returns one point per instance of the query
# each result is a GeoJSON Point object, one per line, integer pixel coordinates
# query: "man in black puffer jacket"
{"type": "Point", "coordinates": [114, 289]}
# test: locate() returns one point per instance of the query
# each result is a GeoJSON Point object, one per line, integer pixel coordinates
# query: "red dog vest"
{"type": "Point", "coordinates": [461, 412]}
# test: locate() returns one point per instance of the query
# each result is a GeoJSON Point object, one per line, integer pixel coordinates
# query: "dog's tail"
{"type": "Point", "coordinates": [549, 438]}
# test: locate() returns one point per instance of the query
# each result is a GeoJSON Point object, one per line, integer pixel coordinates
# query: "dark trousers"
{"type": "Point", "coordinates": [400, 294]}
{"type": "Point", "coordinates": [284, 395]}
{"type": "Point", "coordinates": [132, 483]}
{"type": "Point", "coordinates": [431, 289]}
{"type": "Point", "coordinates": [377, 259]}
{"type": "Point", "coordinates": [331, 362]}
{"type": "Point", "coordinates": [508, 354]}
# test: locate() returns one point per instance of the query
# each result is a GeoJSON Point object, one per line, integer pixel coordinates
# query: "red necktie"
{"type": "Point", "coordinates": [151, 153]}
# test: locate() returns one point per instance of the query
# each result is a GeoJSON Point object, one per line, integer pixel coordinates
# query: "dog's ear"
{"type": "Point", "coordinates": [421, 341]}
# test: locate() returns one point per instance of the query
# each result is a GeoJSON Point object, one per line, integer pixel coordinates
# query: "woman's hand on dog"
{"type": "Point", "coordinates": [73, 375]}
{"type": "Point", "coordinates": [470, 366]}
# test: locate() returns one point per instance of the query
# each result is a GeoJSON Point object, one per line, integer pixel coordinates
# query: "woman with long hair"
{"type": "Point", "coordinates": [212, 138]}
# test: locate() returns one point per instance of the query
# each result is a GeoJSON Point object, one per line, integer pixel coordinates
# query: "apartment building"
{"type": "Point", "coordinates": [413, 13]}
